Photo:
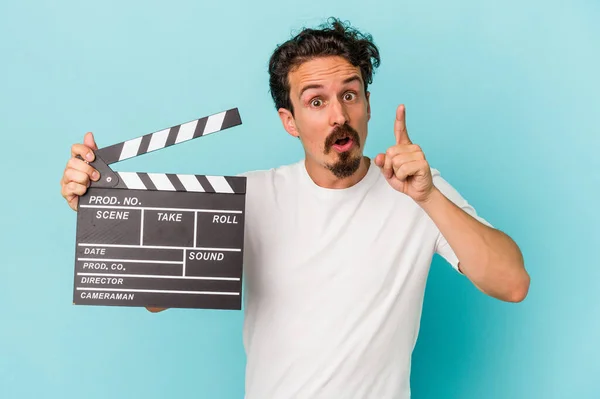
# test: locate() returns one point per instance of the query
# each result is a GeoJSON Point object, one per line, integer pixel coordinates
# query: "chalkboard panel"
{"type": "Point", "coordinates": [161, 248]}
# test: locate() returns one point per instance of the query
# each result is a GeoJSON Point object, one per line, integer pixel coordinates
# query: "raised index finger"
{"type": "Point", "coordinates": [400, 131]}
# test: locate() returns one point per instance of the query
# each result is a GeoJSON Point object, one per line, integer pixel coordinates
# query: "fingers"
{"type": "Point", "coordinates": [155, 310]}
{"type": "Point", "coordinates": [387, 169]}
{"type": "Point", "coordinates": [385, 161]}
{"type": "Point", "coordinates": [80, 166]}
{"type": "Point", "coordinates": [406, 157]}
{"type": "Point", "coordinates": [400, 149]}
{"type": "Point", "coordinates": [379, 159]}
{"type": "Point", "coordinates": [83, 151]}
{"type": "Point", "coordinates": [73, 185]}
{"type": "Point", "coordinates": [71, 189]}
{"type": "Point", "coordinates": [400, 131]}
{"type": "Point", "coordinates": [71, 192]}
{"type": "Point", "coordinates": [411, 168]}
{"type": "Point", "coordinates": [400, 164]}
{"type": "Point", "coordinates": [89, 141]}
{"type": "Point", "coordinates": [78, 174]}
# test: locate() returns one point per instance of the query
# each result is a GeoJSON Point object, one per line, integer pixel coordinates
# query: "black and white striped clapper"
{"type": "Point", "coordinates": [160, 239]}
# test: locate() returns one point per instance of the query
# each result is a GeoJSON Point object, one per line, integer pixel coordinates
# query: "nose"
{"type": "Point", "coordinates": [338, 114]}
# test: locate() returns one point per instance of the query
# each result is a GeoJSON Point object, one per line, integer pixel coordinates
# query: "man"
{"type": "Point", "coordinates": [338, 246]}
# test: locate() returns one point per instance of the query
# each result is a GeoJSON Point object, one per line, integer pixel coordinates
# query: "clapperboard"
{"type": "Point", "coordinates": [160, 239]}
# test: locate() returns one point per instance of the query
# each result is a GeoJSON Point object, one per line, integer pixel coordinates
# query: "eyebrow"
{"type": "Point", "coordinates": [317, 86]}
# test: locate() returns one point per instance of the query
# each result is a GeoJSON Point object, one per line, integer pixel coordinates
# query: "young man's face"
{"type": "Point", "coordinates": [331, 113]}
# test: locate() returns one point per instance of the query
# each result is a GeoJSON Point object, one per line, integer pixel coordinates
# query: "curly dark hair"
{"type": "Point", "coordinates": [333, 38]}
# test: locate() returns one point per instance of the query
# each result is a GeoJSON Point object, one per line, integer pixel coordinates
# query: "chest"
{"type": "Point", "coordinates": [306, 248]}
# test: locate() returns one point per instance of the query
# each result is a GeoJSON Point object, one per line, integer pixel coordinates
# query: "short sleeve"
{"type": "Point", "coordinates": [441, 246]}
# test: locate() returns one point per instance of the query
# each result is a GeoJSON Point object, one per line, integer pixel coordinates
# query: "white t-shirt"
{"type": "Point", "coordinates": [334, 282]}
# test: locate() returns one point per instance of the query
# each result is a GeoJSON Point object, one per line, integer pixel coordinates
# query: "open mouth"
{"type": "Point", "coordinates": [343, 144]}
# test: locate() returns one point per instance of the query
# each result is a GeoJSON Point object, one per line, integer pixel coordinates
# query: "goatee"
{"type": "Point", "coordinates": [347, 163]}
{"type": "Point", "coordinates": [346, 166]}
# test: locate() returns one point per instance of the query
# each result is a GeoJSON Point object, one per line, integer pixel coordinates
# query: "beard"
{"type": "Point", "coordinates": [348, 162]}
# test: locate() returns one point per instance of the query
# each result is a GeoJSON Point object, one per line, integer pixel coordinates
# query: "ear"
{"type": "Point", "coordinates": [368, 105]}
{"type": "Point", "coordinates": [287, 119]}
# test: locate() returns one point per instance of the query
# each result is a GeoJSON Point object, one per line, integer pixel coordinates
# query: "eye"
{"type": "Point", "coordinates": [316, 102]}
{"type": "Point", "coordinates": [349, 96]}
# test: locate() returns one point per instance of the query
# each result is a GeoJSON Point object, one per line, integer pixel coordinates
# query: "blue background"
{"type": "Point", "coordinates": [504, 98]}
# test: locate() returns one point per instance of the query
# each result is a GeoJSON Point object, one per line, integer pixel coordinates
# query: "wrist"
{"type": "Point", "coordinates": [431, 200]}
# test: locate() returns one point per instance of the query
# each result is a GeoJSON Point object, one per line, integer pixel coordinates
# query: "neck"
{"type": "Point", "coordinates": [323, 177]}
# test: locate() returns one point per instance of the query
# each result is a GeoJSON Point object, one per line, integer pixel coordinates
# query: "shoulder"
{"type": "Point", "coordinates": [265, 185]}
{"type": "Point", "coordinates": [455, 196]}
{"type": "Point", "coordinates": [442, 184]}
{"type": "Point", "coordinates": [272, 176]}
{"type": "Point", "coordinates": [266, 188]}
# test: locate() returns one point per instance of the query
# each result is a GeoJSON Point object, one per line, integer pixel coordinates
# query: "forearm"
{"type": "Point", "coordinates": [487, 256]}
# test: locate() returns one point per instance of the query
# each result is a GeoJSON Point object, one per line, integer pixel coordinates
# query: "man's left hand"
{"type": "Point", "coordinates": [404, 165]}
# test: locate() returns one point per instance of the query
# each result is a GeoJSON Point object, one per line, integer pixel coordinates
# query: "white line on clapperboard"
{"type": "Point", "coordinates": [162, 209]}
{"type": "Point", "coordinates": [166, 262]}
{"type": "Point", "coordinates": [159, 291]}
{"type": "Point", "coordinates": [159, 276]}
{"type": "Point", "coordinates": [195, 234]}
{"type": "Point", "coordinates": [159, 247]}
{"type": "Point", "coordinates": [142, 228]}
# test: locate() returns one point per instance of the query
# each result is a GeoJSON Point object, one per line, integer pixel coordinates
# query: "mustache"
{"type": "Point", "coordinates": [340, 132]}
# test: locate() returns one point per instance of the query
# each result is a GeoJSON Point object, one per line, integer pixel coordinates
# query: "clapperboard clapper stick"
{"type": "Point", "coordinates": [160, 239]}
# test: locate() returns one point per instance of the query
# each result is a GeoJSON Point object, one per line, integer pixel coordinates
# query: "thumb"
{"type": "Point", "coordinates": [400, 131]}
{"type": "Point", "coordinates": [380, 160]}
{"type": "Point", "coordinates": [89, 141]}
